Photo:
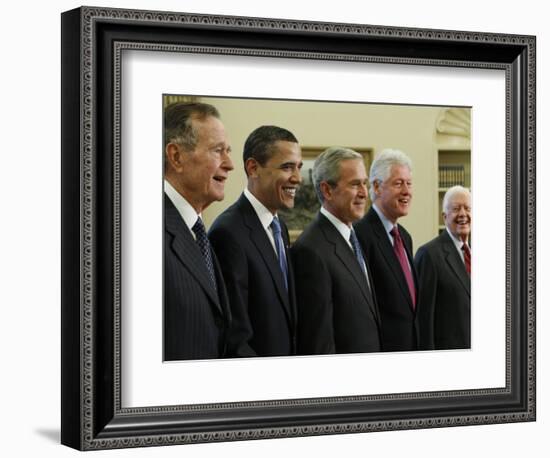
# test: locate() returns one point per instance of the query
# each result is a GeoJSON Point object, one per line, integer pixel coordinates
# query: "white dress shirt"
{"type": "Point", "coordinates": [264, 215]}
{"type": "Point", "coordinates": [345, 231]}
{"type": "Point", "coordinates": [458, 244]}
{"type": "Point", "coordinates": [388, 226]}
{"type": "Point", "coordinates": [184, 208]}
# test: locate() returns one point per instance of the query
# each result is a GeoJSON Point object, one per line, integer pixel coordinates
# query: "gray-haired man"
{"type": "Point", "coordinates": [388, 248]}
{"type": "Point", "coordinates": [337, 311]}
{"type": "Point", "coordinates": [444, 275]}
{"type": "Point", "coordinates": [197, 164]}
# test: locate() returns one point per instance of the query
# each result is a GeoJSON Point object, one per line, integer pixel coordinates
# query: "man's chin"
{"type": "Point", "coordinates": [217, 198]}
{"type": "Point", "coordinates": [287, 205]}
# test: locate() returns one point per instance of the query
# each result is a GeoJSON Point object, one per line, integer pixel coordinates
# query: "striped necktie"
{"type": "Point", "coordinates": [359, 255]}
{"type": "Point", "coordinates": [399, 250]}
{"type": "Point", "coordinates": [279, 245]}
{"type": "Point", "coordinates": [204, 246]}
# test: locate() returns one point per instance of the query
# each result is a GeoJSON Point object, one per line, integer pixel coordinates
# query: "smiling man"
{"type": "Point", "coordinates": [444, 275]}
{"type": "Point", "coordinates": [388, 249]}
{"type": "Point", "coordinates": [252, 244]}
{"type": "Point", "coordinates": [337, 311]}
{"type": "Point", "coordinates": [197, 163]}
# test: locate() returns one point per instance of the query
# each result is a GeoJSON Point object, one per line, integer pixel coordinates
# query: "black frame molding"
{"type": "Point", "coordinates": [92, 42]}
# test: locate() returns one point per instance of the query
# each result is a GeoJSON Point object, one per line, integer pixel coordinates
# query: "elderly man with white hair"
{"type": "Point", "coordinates": [388, 249]}
{"type": "Point", "coordinates": [443, 267]}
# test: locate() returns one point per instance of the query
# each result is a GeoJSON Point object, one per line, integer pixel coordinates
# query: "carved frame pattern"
{"type": "Point", "coordinates": [102, 423]}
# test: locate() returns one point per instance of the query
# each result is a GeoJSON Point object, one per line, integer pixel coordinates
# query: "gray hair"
{"type": "Point", "coordinates": [178, 122]}
{"type": "Point", "coordinates": [327, 166]}
{"type": "Point", "coordinates": [380, 168]}
{"type": "Point", "coordinates": [451, 192]}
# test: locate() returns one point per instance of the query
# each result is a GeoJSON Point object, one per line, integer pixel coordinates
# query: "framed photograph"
{"type": "Point", "coordinates": [121, 67]}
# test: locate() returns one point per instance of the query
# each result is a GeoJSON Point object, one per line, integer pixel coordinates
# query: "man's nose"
{"type": "Point", "coordinates": [296, 175]}
{"type": "Point", "coordinates": [227, 162]}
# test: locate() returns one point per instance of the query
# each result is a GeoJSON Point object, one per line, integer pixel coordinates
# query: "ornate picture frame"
{"type": "Point", "coordinates": [93, 416]}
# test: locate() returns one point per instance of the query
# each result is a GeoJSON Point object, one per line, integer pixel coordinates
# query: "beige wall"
{"type": "Point", "coordinates": [409, 128]}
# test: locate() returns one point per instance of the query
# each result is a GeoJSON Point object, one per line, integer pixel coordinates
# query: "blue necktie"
{"type": "Point", "coordinates": [204, 246]}
{"type": "Point", "coordinates": [359, 254]}
{"type": "Point", "coordinates": [357, 250]}
{"type": "Point", "coordinates": [276, 228]}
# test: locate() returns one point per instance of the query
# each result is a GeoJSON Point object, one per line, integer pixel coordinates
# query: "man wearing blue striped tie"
{"type": "Point", "coordinates": [252, 244]}
{"type": "Point", "coordinates": [197, 163]}
{"type": "Point", "coordinates": [337, 309]}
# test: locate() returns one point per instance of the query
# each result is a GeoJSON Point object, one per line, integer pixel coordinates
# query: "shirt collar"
{"type": "Point", "coordinates": [388, 225]}
{"type": "Point", "coordinates": [458, 243]}
{"type": "Point", "coordinates": [264, 215]}
{"type": "Point", "coordinates": [184, 208]}
{"type": "Point", "coordinates": [341, 227]}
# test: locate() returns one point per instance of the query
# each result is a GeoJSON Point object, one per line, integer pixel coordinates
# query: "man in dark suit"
{"type": "Point", "coordinates": [252, 246]}
{"type": "Point", "coordinates": [197, 163]}
{"type": "Point", "coordinates": [337, 311]}
{"type": "Point", "coordinates": [444, 275]}
{"type": "Point", "coordinates": [388, 249]}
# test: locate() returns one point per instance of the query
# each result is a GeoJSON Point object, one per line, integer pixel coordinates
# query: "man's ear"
{"type": "Point", "coordinates": [173, 157]}
{"type": "Point", "coordinates": [326, 190]}
{"type": "Point", "coordinates": [376, 187]}
{"type": "Point", "coordinates": [251, 166]}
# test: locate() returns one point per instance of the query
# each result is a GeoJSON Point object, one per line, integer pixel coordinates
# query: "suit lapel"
{"type": "Point", "coordinates": [386, 249]}
{"type": "Point", "coordinates": [455, 262]}
{"type": "Point", "coordinates": [259, 238]}
{"type": "Point", "coordinates": [187, 250]}
{"type": "Point", "coordinates": [346, 255]}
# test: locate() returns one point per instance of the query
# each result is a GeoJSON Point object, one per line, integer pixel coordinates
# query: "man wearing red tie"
{"type": "Point", "coordinates": [444, 269]}
{"type": "Point", "coordinates": [388, 249]}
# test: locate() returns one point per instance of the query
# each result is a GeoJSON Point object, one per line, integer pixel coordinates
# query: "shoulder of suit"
{"type": "Point", "coordinates": [365, 229]}
{"type": "Point", "coordinates": [307, 246]}
{"type": "Point", "coordinates": [403, 231]}
{"type": "Point", "coordinates": [433, 248]}
{"type": "Point", "coordinates": [370, 217]}
{"type": "Point", "coordinates": [229, 216]}
{"type": "Point", "coordinates": [429, 246]}
{"type": "Point", "coordinates": [310, 235]}
{"type": "Point", "coordinates": [439, 241]}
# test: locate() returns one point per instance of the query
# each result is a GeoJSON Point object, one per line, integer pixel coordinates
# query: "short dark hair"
{"type": "Point", "coordinates": [259, 144]}
{"type": "Point", "coordinates": [178, 125]}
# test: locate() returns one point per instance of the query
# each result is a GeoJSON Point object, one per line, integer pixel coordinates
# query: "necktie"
{"type": "Point", "coordinates": [359, 254]}
{"type": "Point", "coordinates": [467, 257]}
{"type": "Point", "coordinates": [276, 228]}
{"type": "Point", "coordinates": [204, 246]}
{"type": "Point", "coordinates": [399, 250]}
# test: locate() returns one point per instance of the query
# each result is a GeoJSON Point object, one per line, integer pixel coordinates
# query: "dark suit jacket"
{"type": "Point", "coordinates": [196, 318]}
{"type": "Point", "coordinates": [444, 312]}
{"type": "Point", "coordinates": [263, 312]}
{"type": "Point", "coordinates": [399, 331]}
{"type": "Point", "coordinates": [337, 313]}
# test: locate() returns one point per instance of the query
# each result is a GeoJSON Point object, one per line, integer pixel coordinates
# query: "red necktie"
{"type": "Point", "coordinates": [399, 250]}
{"type": "Point", "coordinates": [467, 257]}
